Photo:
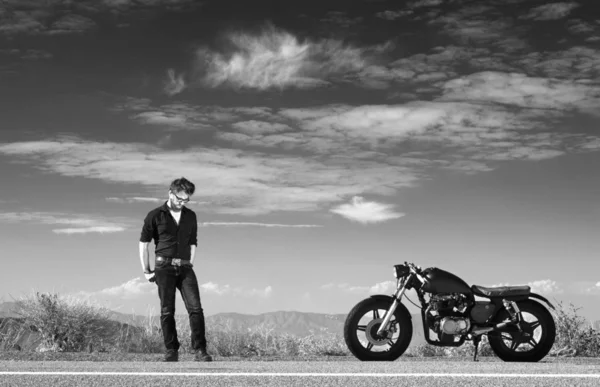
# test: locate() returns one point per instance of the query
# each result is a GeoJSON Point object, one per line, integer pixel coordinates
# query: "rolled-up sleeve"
{"type": "Point", "coordinates": [147, 229]}
{"type": "Point", "coordinates": [194, 233]}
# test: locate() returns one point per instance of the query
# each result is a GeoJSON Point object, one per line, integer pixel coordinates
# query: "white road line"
{"type": "Point", "coordinates": [303, 374]}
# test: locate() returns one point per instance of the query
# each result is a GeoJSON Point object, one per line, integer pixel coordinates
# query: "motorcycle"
{"type": "Point", "coordinates": [518, 327]}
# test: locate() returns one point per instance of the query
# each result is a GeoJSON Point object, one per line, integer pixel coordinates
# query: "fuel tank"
{"type": "Point", "coordinates": [441, 281]}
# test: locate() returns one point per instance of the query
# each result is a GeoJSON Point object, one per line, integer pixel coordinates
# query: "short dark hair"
{"type": "Point", "coordinates": [183, 184]}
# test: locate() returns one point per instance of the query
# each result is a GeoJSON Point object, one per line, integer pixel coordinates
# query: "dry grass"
{"type": "Point", "coordinates": [50, 322]}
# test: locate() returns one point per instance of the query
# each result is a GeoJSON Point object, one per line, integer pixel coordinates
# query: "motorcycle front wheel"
{"type": "Point", "coordinates": [360, 331]}
{"type": "Point", "coordinates": [535, 340]}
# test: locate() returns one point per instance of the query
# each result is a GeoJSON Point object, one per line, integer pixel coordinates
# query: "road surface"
{"type": "Point", "coordinates": [412, 372]}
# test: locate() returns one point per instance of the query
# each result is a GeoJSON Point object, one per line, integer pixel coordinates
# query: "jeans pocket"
{"type": "Point", "coordinates": [160, 264]}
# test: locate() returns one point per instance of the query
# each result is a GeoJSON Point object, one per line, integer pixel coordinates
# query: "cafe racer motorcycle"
{"type": "Point", "coordinates": [517, 325]}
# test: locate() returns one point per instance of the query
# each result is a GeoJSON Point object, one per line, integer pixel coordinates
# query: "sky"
{"type": "Point", "coordinates": [328, 141]}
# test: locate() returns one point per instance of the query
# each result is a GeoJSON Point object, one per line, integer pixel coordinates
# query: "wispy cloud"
{"type": "Point", "coordinates": [254, 224]}
{"type": "Point", "coordinates": [27, 54]}
{"type": "Point", "coordinates": [386, 287]}
{"type": "Point", "coordinates": [87, 230]}
{"type": "Point", "coordinates": [81, 224]}
{"type": "Point", "coordinates": [277, 59]}
{"type": "Point", "coordinates": [228, 290]}
{"type": "Point", "coordinates": [134, 288]}
{"type": "Point", "coordinates": [362, 211]}
{"type": "Point", "coordinates": [70, 24]}
{"type": "Point", "coordinates": [546, 286]}
{"type": "Point", "coordinates": [68, 17]}
{"type": "Point", "coordinates": [234, 181]}
{"type": "Point", "coordinates": [174, 84]}
{"type": "Point", "coordinates": [134, 199]}
{"type": "Point", "coordinates": [140, 287]}
{"type": "Point", "coordinates": [552, 11]}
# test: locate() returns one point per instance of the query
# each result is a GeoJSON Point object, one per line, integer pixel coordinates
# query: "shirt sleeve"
{"type": "Point", "coordinates": [194, 233]}
{"type": "Point", "coordinates": [147, 229]}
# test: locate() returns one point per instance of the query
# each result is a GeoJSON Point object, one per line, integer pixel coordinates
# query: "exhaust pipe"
{"type": "Point", "coordinates": [507, 326]}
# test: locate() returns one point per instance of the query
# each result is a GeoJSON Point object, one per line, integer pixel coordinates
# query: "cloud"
{"type": "Point", "coordinates": [546, 286]}
{"type": "Point", "coordinates": [276, 59]}
{"type": "Point", "coordinates": [82, 223]}
{"type": "Point", "coordinates": [424, 3]}
{"type": "Point", "coordinates": [87, 230]}
{"type": "Point", "coordinates": [234, 181]}
{"type": "Point", "coordinates": [521, 90]}
{"type": "Point", "coordinates": [577, 62]}
{"type": "Point", "coordinates": [161, 118]}
{"type": "Point", "coordinates": [27, 54]}
{"type": "Point", "coordinates": [342, 19]}
{"type": "Point", "coordinates": [386, 287]}
{"type": "Point", "coordinates": [366, 212]}
{"type": "Point", "coordinates": [393, 15]}
{"type": "Point", "coordinates": [254, 224]}
{"type": "Point", "coordinates": [482, 24]}
{"type": "Point", "coordinates": [134, 288]}
{"type": "Point", "coordinates": [54, 17]}
{"type": "Point", "coordinates": [70, 24]}
{"type": "Point", "coordinates": [135, 199]}
{"type": "Point", "coordinates": [175, 84]}
{"type": "Point", "coordinates": [588, 288]}
{"type": "Point", "coordinates": [227, 290]}
{"type": "Point", "coordinates": [551, 11]}
{"type": "Point", "coordinates": [253, 127]}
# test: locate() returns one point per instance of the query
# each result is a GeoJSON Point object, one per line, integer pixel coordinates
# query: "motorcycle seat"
{"type": "Point", "coordinates": [501, 291]}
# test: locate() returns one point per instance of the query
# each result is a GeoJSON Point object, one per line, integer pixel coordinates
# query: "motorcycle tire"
{"type": "Point", "coordinates": [373, 306]}
{"type": "Point", "coordinates": [538, 345]}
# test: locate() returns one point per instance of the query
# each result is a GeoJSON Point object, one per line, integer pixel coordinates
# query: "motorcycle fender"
{"type": "Point", "coordinates": [390, 299]}
{"type": "Point", "coordinates": [535, 295]}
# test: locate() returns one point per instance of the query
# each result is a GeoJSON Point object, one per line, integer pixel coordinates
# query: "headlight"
{"type": "Point", "coordinates": [401, 270]}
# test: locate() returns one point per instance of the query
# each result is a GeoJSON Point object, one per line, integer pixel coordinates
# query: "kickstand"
{"type": "Point", "coordinates": [476, 341]}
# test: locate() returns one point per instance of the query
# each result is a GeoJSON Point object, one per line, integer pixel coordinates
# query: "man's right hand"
{"type": "Point", "coordinates": [150, 276]}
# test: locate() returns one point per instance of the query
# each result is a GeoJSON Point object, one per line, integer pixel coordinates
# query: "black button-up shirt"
{"type": "Point", "coordinates": [171, 240]}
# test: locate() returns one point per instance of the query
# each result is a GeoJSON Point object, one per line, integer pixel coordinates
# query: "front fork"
{"type": "Point", "coordinates": [390, 312]}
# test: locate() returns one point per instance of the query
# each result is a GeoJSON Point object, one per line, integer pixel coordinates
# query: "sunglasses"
{"type": "Point", "coordinates": [181, 200]}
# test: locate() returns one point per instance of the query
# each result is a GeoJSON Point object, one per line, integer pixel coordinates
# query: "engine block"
{"type": "Point", "coordinates": [454, 325]}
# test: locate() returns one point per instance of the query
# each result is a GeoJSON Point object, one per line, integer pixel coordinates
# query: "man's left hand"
{"type": "Point", "coordinates": [150, 276]}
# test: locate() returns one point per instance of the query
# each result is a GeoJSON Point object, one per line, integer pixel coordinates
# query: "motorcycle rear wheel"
{"type": "Point", "coordinates": [361, 327]}
{"type": "Point", "coordinates": [531, 345]}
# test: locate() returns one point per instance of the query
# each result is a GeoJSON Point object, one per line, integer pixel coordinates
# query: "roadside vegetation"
{"type": "Point", "coordinates": [52, 324]}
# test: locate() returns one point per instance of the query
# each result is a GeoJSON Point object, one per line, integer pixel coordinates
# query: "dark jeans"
{"type": "Point", "coordinates": [170, 278]}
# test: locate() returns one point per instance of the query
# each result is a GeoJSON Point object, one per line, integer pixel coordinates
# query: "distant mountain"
{"type": "Point", "coordinates": [290, 322]}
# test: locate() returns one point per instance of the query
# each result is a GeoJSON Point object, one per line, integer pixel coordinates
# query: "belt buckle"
{"type": "Point", "coordinates": [176, 261]}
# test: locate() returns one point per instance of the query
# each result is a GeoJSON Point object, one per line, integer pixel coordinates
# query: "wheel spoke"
{"type": "Point", "coordinates": [369, 346]}
{"type": "Point", "coordinates": [506, 336]}
{"type": "Point", "coordinates": [362, 328]}
{"type": "Point", "coordinates": [514, 345]}
{"type": "Point", "coordinates": [375, 314]}
{"type": "Point", "coordinates": [532, 342]}
{"type": "Point", "coordinates": [391, 342]}
{"type": "Point", "coordinates": [535, 325]}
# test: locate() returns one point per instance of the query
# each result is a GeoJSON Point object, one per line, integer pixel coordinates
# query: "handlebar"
{"type": "Point", "coordinates": [413, 268]}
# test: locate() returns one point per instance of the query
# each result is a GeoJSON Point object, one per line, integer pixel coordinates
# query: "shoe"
{"type": "Point", "coordinates": [171, 356]}
{"type": "Point", "coordinates": [202, 355]}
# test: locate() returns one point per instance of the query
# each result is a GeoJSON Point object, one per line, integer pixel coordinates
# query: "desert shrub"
{"type": "Point", "coordinates": [65, 323]}
{"type": "Point", "coordinates": [13, 334]}
{"type": "Point", "coordinates": [264, 340]}
{"type": "Point", "coordinates": [574, 335]}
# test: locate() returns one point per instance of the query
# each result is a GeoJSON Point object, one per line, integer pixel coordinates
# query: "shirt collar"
{"type": "Point", "coordinates": [165, 208]}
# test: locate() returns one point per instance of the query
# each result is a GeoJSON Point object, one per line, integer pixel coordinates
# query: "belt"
{"type": "Point", "coordinates": [174, 261]}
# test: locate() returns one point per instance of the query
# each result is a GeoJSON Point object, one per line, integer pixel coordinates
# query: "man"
{"type": "Point", "coordinates": [174, 230]}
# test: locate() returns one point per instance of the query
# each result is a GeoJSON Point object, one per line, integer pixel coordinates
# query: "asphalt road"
{"type": "Point", "coordinates": [414, 372]}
